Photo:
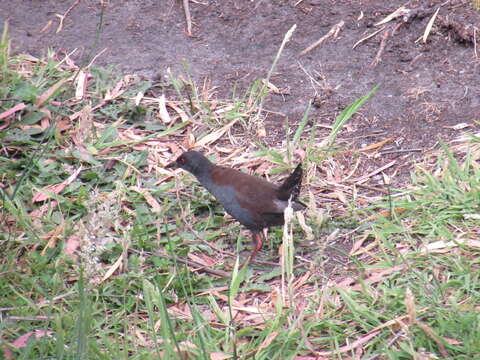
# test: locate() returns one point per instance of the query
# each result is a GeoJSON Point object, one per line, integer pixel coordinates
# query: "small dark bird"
{"type": "Point", "coordinates": [254, 202]}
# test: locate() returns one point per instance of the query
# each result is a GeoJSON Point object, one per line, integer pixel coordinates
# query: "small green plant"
{"type": "Point", "coordinates": [102, 259]}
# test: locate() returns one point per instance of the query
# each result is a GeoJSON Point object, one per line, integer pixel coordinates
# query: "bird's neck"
{"type": "Point", "coordinates": [203, 173]}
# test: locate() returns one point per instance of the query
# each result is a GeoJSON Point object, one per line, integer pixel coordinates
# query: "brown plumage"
{"type": "Point", "coordinates": [254, 202]}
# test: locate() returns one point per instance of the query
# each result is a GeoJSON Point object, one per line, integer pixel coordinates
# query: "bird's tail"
{"type": "Point", "coordinates": [291, 185]}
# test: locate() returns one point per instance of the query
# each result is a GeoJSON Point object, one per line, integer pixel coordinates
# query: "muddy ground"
{"type": "Point", "coordinates": [426, 88]}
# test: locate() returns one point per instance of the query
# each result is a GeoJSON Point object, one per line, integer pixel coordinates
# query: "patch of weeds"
{"type": "Point", "coordinates": [95, 239]}
{"type": "Point", "coordinates": [427, 242]}
{"type": "Point", "coordinates": [65, 204]}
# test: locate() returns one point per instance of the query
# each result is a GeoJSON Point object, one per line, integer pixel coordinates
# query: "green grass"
{"type": "Point", "coordinates": [410, 291]}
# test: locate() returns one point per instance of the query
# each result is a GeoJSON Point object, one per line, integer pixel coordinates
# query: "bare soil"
{"type": "Point", "coordinates": [425, 88]}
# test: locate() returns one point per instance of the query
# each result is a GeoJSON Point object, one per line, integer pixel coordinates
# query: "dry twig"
{"type": "Point", "coordinates": [332, 33]}
{"type": "Point", "coordinates": [62, 17]}
{"type": "Point", "coordinates": [187, 17]}
{"type": "Point", "coordinates": [378, 57]}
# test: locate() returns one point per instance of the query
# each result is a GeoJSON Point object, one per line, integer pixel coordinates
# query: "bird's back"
{"type": "Point", "coordinates": [253, 201]}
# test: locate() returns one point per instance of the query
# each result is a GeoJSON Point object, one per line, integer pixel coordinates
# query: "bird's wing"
{"type": "Point", "coordinates": [253, 193]}
{"type": "Point", "coordinates": [261, 196]}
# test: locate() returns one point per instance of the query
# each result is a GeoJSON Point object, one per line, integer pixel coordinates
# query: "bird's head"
{"type": "Point", "coordinates": [192, 161]}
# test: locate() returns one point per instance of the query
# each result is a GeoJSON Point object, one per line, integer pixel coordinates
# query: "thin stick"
{"type": "Point", "coordinates": [62, 17]}
{"type": "Point", "coordinates": [373, 188]}
{"type": "Point", "coordinates": [187, 17]}
{"type": "Point", "coordinates": [286, 39]}
{"type": "Point", "coordinates": [378, 57]}
{"type": "Point", "coordinates": [400, 151]}
{"type": "Point", "coordinates": [379, 170]}
{"type": "Point", "coordinates": [332, 33]}
{"type": "Point", "coordinates": [367, 37]}
{"type": "Point", "coordinates": [475, 42]}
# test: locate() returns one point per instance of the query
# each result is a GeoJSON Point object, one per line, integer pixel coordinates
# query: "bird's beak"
{"type": "Point", "coordinates": [172, 165]}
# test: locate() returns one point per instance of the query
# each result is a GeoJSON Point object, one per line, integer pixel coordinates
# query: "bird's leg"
{"type": "Point", "coordinates": [257, 239]}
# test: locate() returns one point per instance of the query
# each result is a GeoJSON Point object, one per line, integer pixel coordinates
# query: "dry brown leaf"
{"type": "Point", "coordinates": [130, 135]}
{"type": "Point", "coordinates": [85, 125]}
{"type": "Point", "coordinates": [45, 122]}
{"type": "Point", "coordinates": [358, 244]}
{"type": "Point", "coordinates": [138, 98]}
{"type": "Point", "coordinates": [458, 126]}
{"type": "Point", "coordinates": [63, 124]}
{"type": "Point", "coordinates": [341, 196]}
{"type": "Point", "coordinates": [180, 311]}
{"type": "Point", "coordinates": [442, 246]}
{"type": "Point", "coordinates": [141, 339]}
{"type": "Point", "coordinates": [402, 10]}
{"type": "Point", "coordinates": [213, 291]}
{"type": "Point", "coordinates": [72, 243]}
{"type": "Point", "coordinates": [47, 26]}
{"type": "Point", "coordinates": [12, 110]}
{"type": "Point", "coordinates": [183, 115]}
{"type": "Point", "coordinates": [350, 347]}
{"type": "Point", "coordinates": [223, 109]}
{"type": "Point", "coordinates": [345, 283]}
{"type": "Point", "coordinates": [268, 340]}
{"type": "Point", "coordinates": [435, 337]}
{"type": "Point", "coordinates": [224, 150]}
{"type": "Point", "coordinates": [46, 95]}
{"type": "Point", "coordinates": [261, 131]}
{"type": "Point", "coordinates": [117, 90]}
{"type": "Point", "coordinates": [378, 275]}
{"type": "Point", "coordinates": [301, 280]}
{"type": "Point", "coordinates": [367, 250]}
{"type": "Point", "coordinates": [235, 302]}
{"type": "Point", "coordinates": [81, 88]}
{"type": "Point", "coordinates": [202, 259]}
{"type": "Point", "coordinates": [410, 306]}
{"type": "Point", "coordinates": [44, 208]}
{"type": "Point", "coordinates": [5, 125]}
{"type": "Point", "coordinates": [53, 237]}
{"type": "Point", "coordinates": [148, 197]}
{"type": "Point", "coordinates": [219, 356]}
{"type": "Point", "coordinates": [21, 342]}
{"type": "Point", "coordinates": [249, 309]}
{"type": "Point", "coordinates": [189, 140]}
{"type": "Point", "coordinates": [429, 26]}
{"type": "Point", "coordinates": [113, 268]}
{"type": "Point", "coordinates": [376, 145]}
{"type": "Point", "coordinates": [45, 193]}
{"type": "Point", "coordinates": [162, 110]}
{"type": "Point", "coordinates": [214, 136]}
{"type": "Point", "coordinates": [110, 95]}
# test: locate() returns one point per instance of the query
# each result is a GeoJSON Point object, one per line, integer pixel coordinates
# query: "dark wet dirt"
{"type": "Point", "coordinates": [425, 88]}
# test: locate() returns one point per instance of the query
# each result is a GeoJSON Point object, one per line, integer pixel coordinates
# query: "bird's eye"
{"type": "Point", "coordinates": [181, 160]}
